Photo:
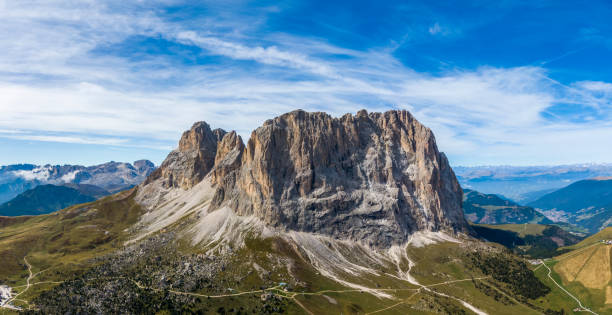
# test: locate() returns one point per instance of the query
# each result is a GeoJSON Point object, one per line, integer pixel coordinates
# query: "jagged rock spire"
{"type": "Point", "coordinates": [192, 160]}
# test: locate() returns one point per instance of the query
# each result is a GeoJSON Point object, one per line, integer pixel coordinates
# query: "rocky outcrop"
{"type": "Point", "coordinates": [192, 160]}
{"type": "Point", "coordinates": [370, 177]}
{"type": "Point", "coordinates": [228, 157]}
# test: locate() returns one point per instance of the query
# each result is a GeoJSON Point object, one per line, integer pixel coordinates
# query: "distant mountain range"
{"type": "Point", "coordinates": [524, 184]}
{"type": "Point", "coordinates": [584, 206]}
{"type": "Point", "coordinates": [492, 209]}
{"type": "Point", "coordinates": [111, 176]}
{"type": "Point", "coordinates": [586, 203]}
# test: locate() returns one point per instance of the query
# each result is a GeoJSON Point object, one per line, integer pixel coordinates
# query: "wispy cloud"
{"type": "Point", "coordinates": [596, 86]}
{"type": "Point", "coordinates": [435, 29]}
{"type": "Point", "coordinates": [79, 138]}
{"type": "Point", "coordinates": [69, 139]}
{"type": "Point", "coordinates": [55, 84]}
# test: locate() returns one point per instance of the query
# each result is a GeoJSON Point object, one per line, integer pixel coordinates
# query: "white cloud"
{"type": "Point", "coordinates": [69, 177]}
{"type": "Point", "coordinates": [68, 139]}
{"type": "Point", "coordinates": [267, 55]}
{"type": "Point", "coordinates": [40, 173]}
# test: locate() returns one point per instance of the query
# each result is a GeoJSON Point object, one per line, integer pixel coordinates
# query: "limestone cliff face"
{"type": "Point", "coordinates": [194, 158]}
{"type": "Point", "coordinates": [374, 177]}
{"type": "Point", "coordinates": [228, 158]}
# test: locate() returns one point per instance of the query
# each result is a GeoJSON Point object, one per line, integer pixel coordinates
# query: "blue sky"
{"type": "Point", "coordinates": [514, 83]}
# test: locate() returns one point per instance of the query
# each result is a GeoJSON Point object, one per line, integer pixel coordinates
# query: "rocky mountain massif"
{"type": "Point", "coordinates": [313, 215]}
{"type": "Point", "coordinates": [111, 176]}
{"type": "Point", "coordinates": [375, 177]}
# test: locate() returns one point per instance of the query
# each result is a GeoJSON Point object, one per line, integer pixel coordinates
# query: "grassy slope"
{"type": "Point", "coordinates": [533, 240]}
{"type": "Point", "coordinates": [591, 298]}
{"type": "Point", "coordinates": [440, 262]}
{"type": "Point", "coordinates": [61, 245]}
{"type": "Point", "coordinates": [522, 229]}
{"type": "Point", "coordinates": [571, 269]}
{"type": "Point", "coordinates": [535, 229]}
{"type": "Point", "coordinates": [605, 234]}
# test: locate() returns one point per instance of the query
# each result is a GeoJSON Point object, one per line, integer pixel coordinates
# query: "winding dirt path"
{"type": "Point", "coordinates": [8, 304]}
{"type": "Point", "coordinates": [582, 307]}
{"type": "Point", "coordinates": [563, 257]}
{"type": "Point", "coordinates": [426, 287]}
{"type": "Point", "coordinates": [409, 278]}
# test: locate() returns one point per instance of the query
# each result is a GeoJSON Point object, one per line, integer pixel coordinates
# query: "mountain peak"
{"type": "Point", "coordinates": [192, 160]}
{"type": "Point", "coordinates": [200, 137]}
{"type": "Point", "coordinates": [143, 165]}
